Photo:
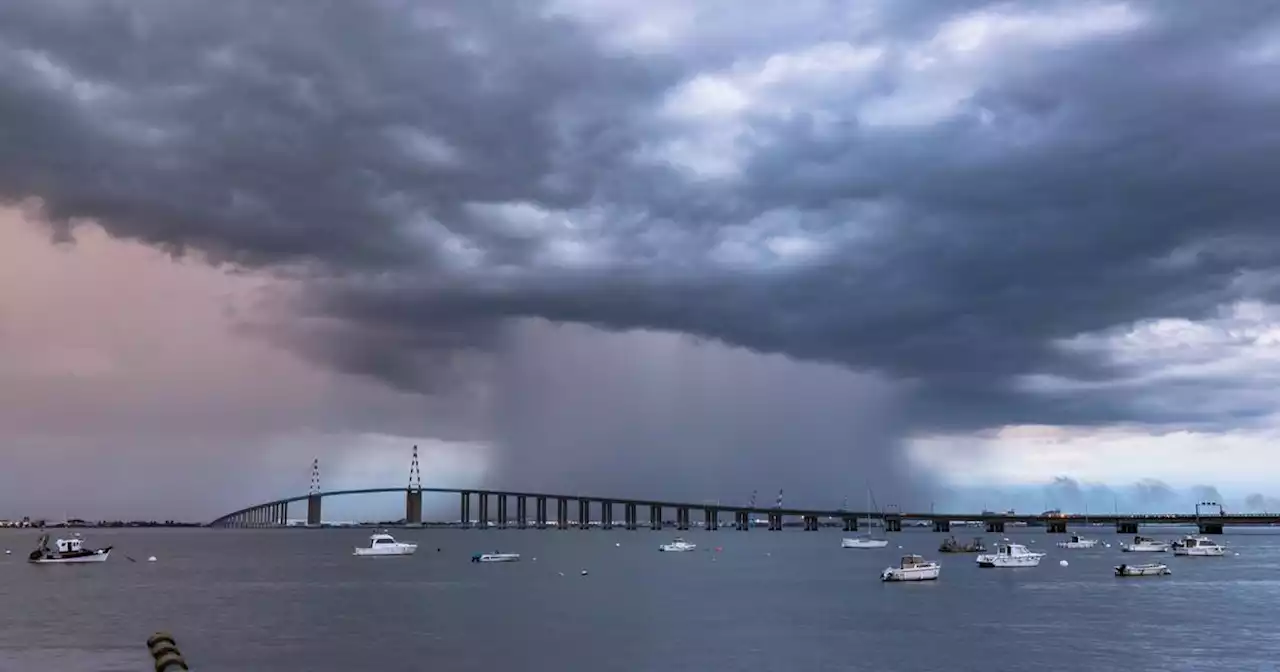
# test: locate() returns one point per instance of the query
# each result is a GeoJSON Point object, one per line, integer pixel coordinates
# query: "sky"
{"type": "Point", "coordinates": [960, 254]}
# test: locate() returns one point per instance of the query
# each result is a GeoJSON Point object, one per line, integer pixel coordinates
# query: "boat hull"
{"type": "Point", "coordinates": [1077, 544]}
{"type": "Point", "coordinates": [670, 548]}
{"type": "Point", "coordinates": [1153, 569]}
{"type": "Point", "coordinates": [926, 573]}
{"type": "Point", "coordinates": [1200, 552]}
{"type": "Point", "coordinates": [1146, 548]}
{"type": "Point", "coordinates": [386, 551]}
{"type": "Point", "coordinates": [1004, 562]}
{"type": "Point", "coordinates": [864, 543]}
{"type": "Point", "coordinates": [497, 557]}
{"type": "Point", "coordinates": [99, 555]}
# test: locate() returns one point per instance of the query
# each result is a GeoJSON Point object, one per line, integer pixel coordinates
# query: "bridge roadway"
{"type": "Point", "coordinates": [275, 513]}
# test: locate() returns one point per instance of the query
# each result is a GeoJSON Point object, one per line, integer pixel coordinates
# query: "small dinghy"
{"type": "Point", "coordinates": [495, 557]}
{"type": "Point", "coordinates": [1145, 545]}
{"type": "Point", "coordinates": [863, 541]}
{"type": "Point", "coordinates": [68, 551]}
{"type": "Point", "coordinates": [1149, 569]}
{"type": "Point", "coordinates": [1078, 541]}
{"type": "Point", "coordinates": [912, 568]}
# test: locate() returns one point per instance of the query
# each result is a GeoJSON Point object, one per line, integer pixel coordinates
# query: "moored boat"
{"type": "Point", "coordinates": [1010, 555]}
{"type": "Point", "coordinates": [912, 568]}
{"type": "Point", "coordinates": [1145, 545]}
{"type": "Point", "coordinates": [950, 545]}
{"type": "Point", "coordinates": [677, 546]}
{"type": "Point", "coordinates": [1077, 541]}
{"type": "Point", "coordinates": [863, 541]}
{"type": "Point", "coordinates": [1149, 569]}
{"type": "Point", "coordinates": [66, 551]}
{"type": "Point", "coordinates": [495, 557]}
{"type": "Point", "coordinates": [383, 544]}
{"type": "Point", "coordinates": [1198, 547]}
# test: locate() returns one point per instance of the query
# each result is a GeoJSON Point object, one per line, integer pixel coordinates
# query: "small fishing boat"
{"type": "Point", "coordinates": [677, 546]}
{"type": "Point", "coordinates": [1198, 547]}
{"type": "Point", "coordinates": [66, 551]}
{"type": "Point", "coordinates": [863, 541]}
{"type": "Point", "coordinates": [1149, 569]}
{"type": "Point", "coordinates": [912, 568]}
{"type": "Point", "coordinates": [383, 544]}
{"type": "Point", "coordinates": [1078, 541]}
{"type": "Point", "coordinates": [950, 545]}
{"type": "Point", "coordinates": [495, 557]}
{"type": "Point", "coordinates": [1010, 555]}
{"type": "Point", "coordinates": [1145, 545]}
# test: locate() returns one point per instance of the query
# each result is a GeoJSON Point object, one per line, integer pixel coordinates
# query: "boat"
{"type": "Point", "coordinates": [677, 546]}
{"type": "Point", "coordinates": [66, 551]}
{"type": "Point", "coordinates": [950, 545]}
{"type": "Point", "coordinates": [1198, 546]}
{"type": "Point", "coordinates": [384, 544]}
{"type": "Point", "coordinates": [495, 557]}
{"type": "Point", "coordinates": [1145, 545]}
{"type": "Point", "coordinates": [1149, 569]}
{"type": "Point", "coordinates": [1078, 541]}
{"type": "Point", "coordinates": [912, 568]}
{"type": "Point", "coordinates": [863, 541]}
{"type": "Point", "coordinates": [1010, 555]}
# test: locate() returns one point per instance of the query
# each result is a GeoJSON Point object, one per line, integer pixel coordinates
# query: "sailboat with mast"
{"type": "Point", "coordinates": [865, 540]}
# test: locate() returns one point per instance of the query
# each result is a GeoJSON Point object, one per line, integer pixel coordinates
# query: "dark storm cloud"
{"type": "Point", "coordinates": [438, 172]}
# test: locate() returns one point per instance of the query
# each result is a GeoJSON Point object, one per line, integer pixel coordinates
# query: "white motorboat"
{"type": "Point", "coordinates": [1149, 569]}
{"type": "Point", "coordinates": [677, 546]}
{"type": "Point", "coordinates": [1145, 545]}
{"type": "Point", "coordinates": [495, 557]}
{"type": "Point", "coordinates": [1010, 555]}
{"type": "Point", "coordinates": [1077, 541]}
{"type": "Point", "coordinates": [1198, 547]}
{"type": "Point", "coordinates": [66, 551]}
{"type": "Point", "coordinates": [384, 544]}
{"type": "Point", "coordinates": [912, 568]}
{"type": "Point", "coordinates": [863, 541]}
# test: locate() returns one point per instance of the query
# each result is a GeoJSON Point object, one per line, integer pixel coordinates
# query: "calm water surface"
{"type": "Point", "coordinates": [294, 600]}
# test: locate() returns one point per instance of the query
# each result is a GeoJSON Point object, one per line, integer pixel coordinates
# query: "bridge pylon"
{"type": "Point", "coordinates": [413, 494]}
{"type": "Point", "coordinates": [313, 495]}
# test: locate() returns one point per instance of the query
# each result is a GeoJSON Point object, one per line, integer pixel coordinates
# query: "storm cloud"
{"type": "Point", "coordinates": [939, 197]}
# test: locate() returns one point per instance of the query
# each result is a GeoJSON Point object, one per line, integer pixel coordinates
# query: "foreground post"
{"type": "Point", "coordinates": [164, 651]}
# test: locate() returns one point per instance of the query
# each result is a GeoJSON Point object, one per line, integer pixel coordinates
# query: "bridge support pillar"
{"type": "Point", "coordinates": [540, 513]}
{"type": "Point", "coordinates": [810, 523]}
{"type": "Point", "coordinates": [413, 507]}
{"type": "Point", "coordinates": [655, 517]}
{"type": "Point", "coordinates": [283, 517]}
{"type": "Point", "coordinates": [892, 524]}
{"type": "Point", "coordinates": [522, 512]}
{"type": "Point", "coordinates": [711, 519]}
{"type": "Point", "coordinates": [501, 521]}
{"type": "Point", "coordinates": [562, 513]}
{"type": "Point", "coordinates": [1126, 527]}
{"type": "Point", "coordinates": [1210, 528]}
{"type": "Point", "coordinates": [682, 518]}
{"type": "Point", "coordinates": [465, 510]}
{"type": "Point", "coordinates": [995, 526]}
{"type": "Point", "coordinates": [1056, 527]}
{"type": "Point", "coordinates": [482, 521]}
{"type": "Point", "coordinates": [584, 514]}
{"type": "Point", "coordinates": [741, 520]}
{"type": "Point", "coordinates": [775, 522]}
{"type": "Point", "coordinates": [606, 515]}
{"type": "Point", "coordinates": [313, 510]}
{"type": "Point", "coordinates": [629, 515]}
{"type": "Point", "coordinates": [850, 524]}
{"type": "Point", "coordinates": [941, 526]}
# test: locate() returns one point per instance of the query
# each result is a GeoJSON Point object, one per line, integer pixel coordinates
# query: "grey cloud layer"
{"type": "Point", "coordinates": [438, 172]}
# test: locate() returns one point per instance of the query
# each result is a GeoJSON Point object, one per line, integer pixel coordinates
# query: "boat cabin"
{"type": "Point", "coordinates": [70, 545]}
{"type": "Point", "coordinates": [1143, 540]}
{"type": "Point", "coordinates": [1199, 542]}
{"type": "Point", "coordinates": [909, 561]}
{"type": "Point", "coordinates": [381, 540]}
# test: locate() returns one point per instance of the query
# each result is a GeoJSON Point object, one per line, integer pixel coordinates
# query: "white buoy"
{"type": "Point", "coordinates": [584, 572]}
{"type": "Point", "coordinates": [7, 551]}
{"type": "Point", "coordinates": [561, 573]}
{"type": "Point", "coordinates": [619, 544]}
{"type": "Point", "coordinates": [1064, 563]}
{"type": "Point", "coordinates": [151, 559]}
{"type": "Point", "coordinates": [1107, 545]}
{"type": "Point", "coordinates": [899, 546]}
